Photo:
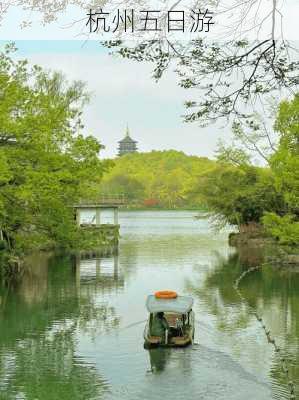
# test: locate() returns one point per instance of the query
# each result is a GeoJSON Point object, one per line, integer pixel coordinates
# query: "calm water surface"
{"type": "Point", "coordinates": [72, 328]}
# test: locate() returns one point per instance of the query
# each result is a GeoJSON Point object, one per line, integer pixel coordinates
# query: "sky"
{"type": "Point", "coordinates": [122, 91]}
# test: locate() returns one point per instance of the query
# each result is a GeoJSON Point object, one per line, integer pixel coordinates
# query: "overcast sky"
{"type": "Point", "coordinates": [123, 92]}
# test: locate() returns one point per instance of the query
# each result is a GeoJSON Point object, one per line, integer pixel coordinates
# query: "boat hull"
{"type": "Point", "coordinates": [148, 343]}
{"type": "Point", "coordinates": [174, 341]}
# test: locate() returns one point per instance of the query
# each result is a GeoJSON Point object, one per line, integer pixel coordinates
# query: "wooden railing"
{"type": "Point", "coordinates": [105, 199]}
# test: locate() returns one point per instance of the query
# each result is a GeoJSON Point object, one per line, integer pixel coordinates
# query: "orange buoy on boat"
{"type": "Point", "coordinates": [166, 294]}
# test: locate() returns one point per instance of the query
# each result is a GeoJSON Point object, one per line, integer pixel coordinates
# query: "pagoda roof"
{"type": "Point", "coordinates": [127, 139]}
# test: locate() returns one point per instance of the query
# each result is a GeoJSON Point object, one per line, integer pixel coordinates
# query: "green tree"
{"type": "Point", "coordinates": [285, 165]}
{"type": "Point", "coordinates": [46, 163]}
{"type": "Point", "coordinates": [239, 195]}
{"type": "Point", "coordinates": [129, 186]}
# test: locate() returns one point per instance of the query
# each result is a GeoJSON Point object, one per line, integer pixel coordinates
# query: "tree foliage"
{"type": "Point", "coordinates": [285, 165]}
{"type": "Point", "coordinates": [239, 193]}
{"type": "Point", "coordinates": [159, 178]}
{"type": "Point", "coordinates": [46, 163]}
{"type": "Point", "coordinates": [230, 77]}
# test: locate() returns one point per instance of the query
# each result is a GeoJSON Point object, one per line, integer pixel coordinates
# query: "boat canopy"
{"type": "Point", "coordinates": [181, 304]}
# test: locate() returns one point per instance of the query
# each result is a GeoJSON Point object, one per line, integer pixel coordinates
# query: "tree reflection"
{"type": "Point", "coordinates": [37, 345]}
{"type": "Point", "coordinates": [272, 292]}
{"type": "Point", "coordinates": [46, 367]}
{"type": "Point", "coordinates": [218, 294]}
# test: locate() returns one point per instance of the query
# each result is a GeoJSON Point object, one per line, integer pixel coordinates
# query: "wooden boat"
{"type": "Point", "coordinates": [177, 311]}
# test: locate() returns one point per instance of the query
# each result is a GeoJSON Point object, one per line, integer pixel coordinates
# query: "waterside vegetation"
{"type": "Point", "coordinates": [46, 164]}
{"type": "Point", "coordinates": [244, 195]}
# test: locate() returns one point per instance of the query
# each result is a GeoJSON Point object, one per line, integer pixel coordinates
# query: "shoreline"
{"type": "Point", "coordinates": [259, 248]}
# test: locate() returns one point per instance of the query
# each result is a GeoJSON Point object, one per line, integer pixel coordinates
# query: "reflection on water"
{"type": "Point", "coordinates": [274, 294]}
{"type": "Point", "coordinates": [72, 327]}
{"type": "Point", "coordinates": [39, 321]}
{"type": "Point", "coordinates": [102, 272]}
{"type": "Point", "coordinates": [158, 358]}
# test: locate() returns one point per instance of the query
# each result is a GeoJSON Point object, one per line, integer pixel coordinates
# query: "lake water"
{"type": "Point", "coordinates": [73, 328]}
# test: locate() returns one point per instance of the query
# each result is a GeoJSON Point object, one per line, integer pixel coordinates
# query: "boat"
{"type": "Point", "coordinates": [179, 316]}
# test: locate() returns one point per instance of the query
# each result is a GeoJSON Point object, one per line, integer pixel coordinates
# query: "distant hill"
{"type": "Point", "coordinates": [161, 179]}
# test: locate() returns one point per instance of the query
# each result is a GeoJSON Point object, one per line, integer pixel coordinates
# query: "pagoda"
{"type": "Point", "coordinates": [127, 145]}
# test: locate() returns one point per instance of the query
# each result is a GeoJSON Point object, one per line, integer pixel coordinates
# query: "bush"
{"type": "Point", "coordinates": [285, 229]}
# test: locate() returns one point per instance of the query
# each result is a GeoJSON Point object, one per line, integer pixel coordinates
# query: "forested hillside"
{"type": "Point", "coordinates": [162, 179]}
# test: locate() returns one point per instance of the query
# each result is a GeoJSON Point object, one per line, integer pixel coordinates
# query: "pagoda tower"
{"type": "Point", "coordinates": [127, 145]}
